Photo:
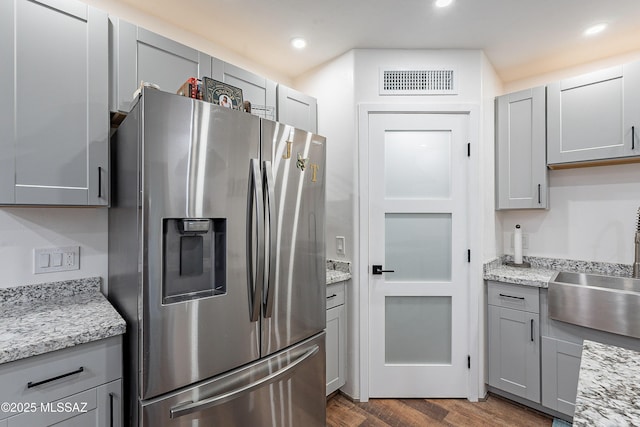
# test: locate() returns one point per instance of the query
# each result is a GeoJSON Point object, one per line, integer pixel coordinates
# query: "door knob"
{"type": "Point", "coordinates": [377, 269]}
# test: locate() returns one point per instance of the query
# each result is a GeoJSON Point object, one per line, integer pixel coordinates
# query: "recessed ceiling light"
{"type": "Point", "coordinates": [443, 3]}
{"type": "Point", "coordinates": [595, 29]}
{"type": "Point", "coordinates": [298, 43]}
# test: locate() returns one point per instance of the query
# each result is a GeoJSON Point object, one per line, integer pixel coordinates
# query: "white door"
{"type": "Point", "coordinates": [418, 325]}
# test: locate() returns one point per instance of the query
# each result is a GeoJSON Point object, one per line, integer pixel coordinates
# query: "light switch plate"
{"type": "Point", "coordinates": [340, 245]}
{"type": "Point", "coordinates": [51, 260]}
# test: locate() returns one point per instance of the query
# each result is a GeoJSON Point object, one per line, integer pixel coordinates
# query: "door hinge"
{"type": "Point", "coordinates": [468, 255]}
{"type": "Point", "coordinates": [468, 362]}
{"type": "Point", "coordinates": [468, 149]}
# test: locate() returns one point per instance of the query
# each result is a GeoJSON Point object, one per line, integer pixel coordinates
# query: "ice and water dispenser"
{"type": "Point", "coordinates": [194, 258]}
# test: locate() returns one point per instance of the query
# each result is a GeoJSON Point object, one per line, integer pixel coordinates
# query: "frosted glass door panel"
{"type": "Point", "coordinates": [418, 247]}
{"type": "Point", "coordinates": [418, 330]}
{"type": "Point", "coordinates": [417, 164]}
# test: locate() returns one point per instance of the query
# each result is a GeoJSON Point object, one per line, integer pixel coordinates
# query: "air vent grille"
{"type": "Point", "coordinates": [417, 82]}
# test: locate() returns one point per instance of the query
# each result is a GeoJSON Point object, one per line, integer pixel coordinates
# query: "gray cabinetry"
{"type": "Point", "coordinates": [297, 109]}
{"type": "Point", "coordinates": [54, 118]}
{"type": "Point", "coordinates": [594, 117]}
{"type": "Point", "coordinates": [260, 91]}
{"type": "Point", "coordinates": [560, 369]}
{"type": "Point", "coordinates": [336, 337]}
{"type": "Point", "coordinates": [521, 170]}
{"type": "Point", "coordinates": [141, 55]}
{"type": "Point", "coordinates": [78, 386]}
{"type": "Point", "coordinates": [514, 340]}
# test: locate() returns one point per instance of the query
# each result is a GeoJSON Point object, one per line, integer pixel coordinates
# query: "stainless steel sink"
{"type": "Point", "coordinates": [606, 303]}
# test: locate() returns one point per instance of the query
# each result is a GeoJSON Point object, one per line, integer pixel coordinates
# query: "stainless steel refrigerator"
{"type": "Point", "coordinates": [217, 262]}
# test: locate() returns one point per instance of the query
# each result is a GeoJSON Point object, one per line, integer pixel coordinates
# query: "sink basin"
{"type": "Point", "coordinates": [605, 303]}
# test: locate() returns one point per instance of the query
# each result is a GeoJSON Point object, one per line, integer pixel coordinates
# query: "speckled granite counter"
{"type": "Point", "coordinates": [608, 390]}
{"type": "Point", "coordinates": [338, 271]}
{"type": "Point", "coordinates": [543, 269]}
{"type": "Point", "coordinates": [37, 319]}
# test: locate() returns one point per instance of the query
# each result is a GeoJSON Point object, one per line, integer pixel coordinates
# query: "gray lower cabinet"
{"type": "Point", "coordinates": [514, 340]}
{"type": "Point", "coordinates": [141, 55]}
{"type": "Point", "coordinates": [594, 117]}
{"type": "Point", "coordinates": [521, 168]}
{"type": "Point", "coordinates": [560, 370]}
{"type": "Point", "coordinates": [336, 342]}
{"type": "Point", "coordinates": [54, 117]}
{"type": "Point", "coordinates": [297, 109]}
{"type": "Point", "coordinates": [258, 90]}
{"type": "Point", "coordinates": [78, 386]}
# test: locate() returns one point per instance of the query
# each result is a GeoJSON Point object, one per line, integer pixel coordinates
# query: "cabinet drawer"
{"type": "Point", "coordinates": [335, 295]}
{"type": "Point", "coordinates": [518, 297]}
{"type": "Point", "coordinates": [52, 376]}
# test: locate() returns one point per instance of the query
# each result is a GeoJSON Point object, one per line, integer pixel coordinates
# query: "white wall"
{"type": "Point", "coordinates": [592, 216]}
{"type": "Point", "coordinates": [23, 229]}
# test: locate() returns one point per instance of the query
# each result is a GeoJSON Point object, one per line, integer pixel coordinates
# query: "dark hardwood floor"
{"type": "Point", "coordinates": [495, 411]}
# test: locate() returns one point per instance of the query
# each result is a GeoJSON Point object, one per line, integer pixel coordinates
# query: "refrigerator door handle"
{"type": "Point", "coordinates": [273, 233]}
{"type": "Point", "coordinates": [191, 407]}
{"type": "Point", "coordinates": [254, 195]}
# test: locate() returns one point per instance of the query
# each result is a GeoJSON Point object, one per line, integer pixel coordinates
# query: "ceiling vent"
{"type": "Point", "coordinates": [417, 82]}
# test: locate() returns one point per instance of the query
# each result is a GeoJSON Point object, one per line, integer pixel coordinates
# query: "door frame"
{"type": "Point", "coordinates": [474, 224]}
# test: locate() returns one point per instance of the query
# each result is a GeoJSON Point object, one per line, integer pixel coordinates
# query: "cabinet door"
{"type": "Point", "coordinates": [55, 121]}
{"type": "Point", "coordinates": [514, 352]}
{"type": "Point", "coordinates": [110, 404]}
{"type": "Point", "coordinates": [336, 348]}
{"type": "Point", "coordinates": [297, 109]}
{"type": "Point", "coordinates": [594, 116]}
{"type": "Point", "coordinates": [140, 55]}
{"type": "Point", "coordinates": [521, 169]}
{"type": "Point", "coordinates": [560, 371]}
{"type": "Point", "coordinates": [261, 92]}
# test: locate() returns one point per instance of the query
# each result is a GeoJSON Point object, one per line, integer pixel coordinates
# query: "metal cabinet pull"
{"type": "Point", "coordinates": [510, 296]}
{"type": "Point", "coordinates": [99, 182]}
{"type": "Point", "coordinates": [332, 296]}
{"type": "Point", "coordinates": [111, 409]}
{"type": "Point", "coordinates": [539, 195]}
{"type": "Point", "coordinates": [531, 330]}
{"type": "Point", "coordinates": [633, 137]}
{"type": "Point", "coordinates": [68, 374]}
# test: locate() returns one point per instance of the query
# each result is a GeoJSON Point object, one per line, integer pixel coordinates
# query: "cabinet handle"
{"type": "Point", "coordinates": [111, 409]}
{"type": "Point", "coordinates": [99, 182]}
{"type": "Point", "coordinates": [531, 330]}
{"type": "Point", "coordinates": [509, 296]}
{"type": "Point", "coordinates": [332, 296]}
{"type": "Point", "coordinates": [32, 384]}
{"type": "Point", "coordinates": [633, 137]}
{"type": "Point", "coordinates": [539, 195]}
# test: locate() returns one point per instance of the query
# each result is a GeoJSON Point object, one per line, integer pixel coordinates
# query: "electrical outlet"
{"type": "Point", "coordinates": [340, 250]}
{"type": "Point", "coordinates": [51, 260]}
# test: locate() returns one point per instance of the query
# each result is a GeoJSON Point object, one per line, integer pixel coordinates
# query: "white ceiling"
{"type": "Point", "coordinates": [521, 38]}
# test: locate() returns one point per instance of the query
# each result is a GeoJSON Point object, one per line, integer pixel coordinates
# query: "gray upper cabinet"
{"type": "Point", "coordinates": [261, 92]}
{"type": "Point", "coordinates": [54, 117]}
{"type": "Point", "coordinates": [297, 109]}
{"type": "Point", "coordinates": [594, 117]}
{"type": "Point", "coordinates": [521, 170]}
{"type": "Point", "coordinates": [140, 55]}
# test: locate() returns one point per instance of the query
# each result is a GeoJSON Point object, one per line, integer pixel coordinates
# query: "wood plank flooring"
{"type": "Point", "coordinates": [495, 411]}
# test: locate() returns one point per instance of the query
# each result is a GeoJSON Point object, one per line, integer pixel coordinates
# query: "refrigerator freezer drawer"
{"type": "Point", "coordinates": [284, 390]}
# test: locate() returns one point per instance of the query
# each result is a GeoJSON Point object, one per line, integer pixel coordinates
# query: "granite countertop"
{"type": "Point", "coordinates": [608, 390]}
{"type": "Point", "coordinates": [543, 269]}
{"type": "Point", "coordinates": [338, 271]}
{"type": "Point", "coordinates": [36, 319]}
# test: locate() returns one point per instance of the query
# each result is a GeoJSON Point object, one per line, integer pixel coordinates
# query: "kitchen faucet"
{"type": "Point", "coordinates": [636, 263]}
